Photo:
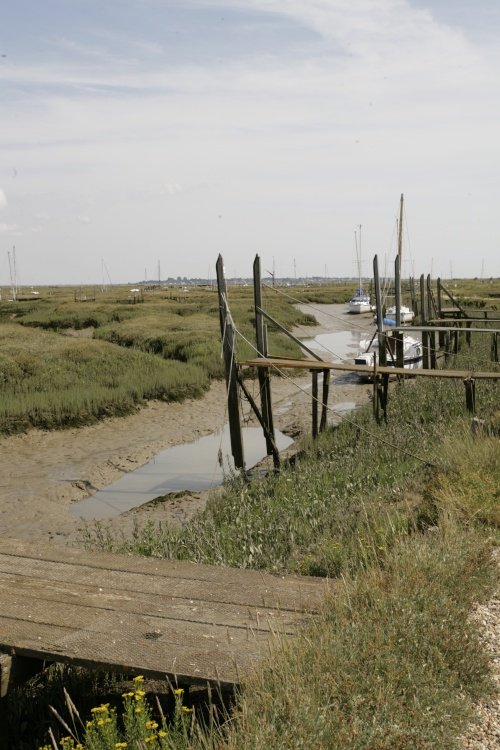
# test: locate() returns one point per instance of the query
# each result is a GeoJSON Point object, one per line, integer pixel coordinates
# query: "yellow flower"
{"type": "Point", "coordinates": [138, 710]}
{"type": "Point", "coordinates": [151, 725]}
{"type": "Point", "coordinates": [139, 694]}
{"type": "Point", "coordinates": [120, 745]}
{"type": "Point", "coordinates": [179, 692]}
{"type": "Point", "coordinates": [147, 740]}
{"type": "Point", "coordinates": [161, 733]}
{"type": "Point", "coordinates": [139, 678]}
{"type": "Point", "coordinates": [187, 710]}
{"type": "Point", "coordinates": [102, 709]}
{"type": "Point", "coordinates": [128, 695]}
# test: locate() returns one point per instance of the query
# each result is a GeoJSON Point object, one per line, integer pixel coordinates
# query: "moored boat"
{"type": "Point", "coordinates": [360, 302]}
{"type": "Point", "coordinates": [412, 352]}
{"type": "Point", "coordinates": [407, 315]}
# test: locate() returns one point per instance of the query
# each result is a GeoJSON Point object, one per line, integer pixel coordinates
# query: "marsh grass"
{"type": "Point", "coordinates": [50, 381]}
{"type": "Point", "coordinates": [394, 662]}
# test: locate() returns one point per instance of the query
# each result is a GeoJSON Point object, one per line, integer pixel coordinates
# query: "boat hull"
{"type": "Point", "coordinates": [412, 354]}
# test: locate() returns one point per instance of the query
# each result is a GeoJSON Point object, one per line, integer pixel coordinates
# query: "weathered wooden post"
{"type": "Point", "coordinates": [324, 405]}
{"type": "Point", "coordinates": [494, 347]}
{"type": "Point", "coordinates": [423, 322]}
{"type": "Point", "coordinates": [431, 340]}
{"type": "Point", "coordinates": [399, 334]}
{"type": "Point", "coordinates": [230, 366]}
{"type": "Point", "coordinates": [314, 403]}
{"type": "Point", "coordinates": [381, 391]}
{"type": "Point", "coordinates": [470, 394]}
{"type": "Point", "coordinates": [468, 335]}
{"type": "Point", "coordinates": [263, 374]}
{"type": "Point", "coordinates": [382, 356]}
{"type": "Point", "coordinates": [442, 334]}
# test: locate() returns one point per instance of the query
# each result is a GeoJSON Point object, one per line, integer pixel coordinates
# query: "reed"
{"type": "Point", "coordinates": [51, 381]}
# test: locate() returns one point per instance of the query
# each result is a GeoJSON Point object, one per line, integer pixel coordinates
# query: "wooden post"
{"type": "Point", "coordinates": [447, 346]}
{"type": "Point", "coordinates": [423, 322]}
{"type": "Point", "coordinates": [431, 337]}
{"type": "Point", "coordinates": [230, 365]}
{"type": "Point", "coordinates": [413, 296]}
{"type": "Point", "coordinates": [324, 406]}
{"type": "Point", "coordinates": [263, 373]}
{"type": "Point", "coordinates": [399, 334]}
{"type": "Point", "coordinates": [382, 357]}
{"type": "Point", "coordinates": [494, 347]}
{"type": "Point", "coordinates": [314, 403]}
{"type": "Point", "coordinates": [470, 394]}
{"type": "Point", "coordinates": [248, 396]}
{"type": "Point", "coordinates": [442, 334]}
{"type": "Point", "coordinates": [422, 301]}
{"type": "Point", "coordinates": [468, 334]}
{"type": "Point", "coordinates": [385, 394]}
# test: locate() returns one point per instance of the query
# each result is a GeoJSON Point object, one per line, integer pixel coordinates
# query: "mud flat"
{"type": "Point", "coordinates": [43, 473]}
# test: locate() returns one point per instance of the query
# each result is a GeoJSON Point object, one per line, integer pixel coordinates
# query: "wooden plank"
{"type": "Point", "coordinates": [168, 607]}
{"type": "Point", "coordinates": [156, 617]}
{"type": "Point", "coordinates": [300, 364]}
{"type": "Point", "coordinates": [117, 650]}
{"type": "Point", "coordinates": [159, 568]}
{"type": "Point", "coordinates": [431, 328]}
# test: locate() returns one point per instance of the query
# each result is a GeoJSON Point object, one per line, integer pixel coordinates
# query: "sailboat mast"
{"type": "Point", "coordinates": [400, 233]}
{"type": "Point", "coordinates": [357, 245]}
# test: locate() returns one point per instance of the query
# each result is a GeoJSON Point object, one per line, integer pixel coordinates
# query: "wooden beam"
{"type": "Point", "coordinates": [290, 335]}
{"type": "Point", "coordinates": [263, 374]}
{"type": "Point", "coordinates": [278, 363]}
{"type": "Point", "coordinates": [228, 344]}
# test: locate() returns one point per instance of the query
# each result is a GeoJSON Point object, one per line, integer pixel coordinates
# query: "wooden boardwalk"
{"type": "Point", "coordinates": [278, 363]}
{"type": "Point", "coordinates": [193, 623]}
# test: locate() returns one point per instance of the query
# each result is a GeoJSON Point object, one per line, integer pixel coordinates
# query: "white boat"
{"type": "Point", "coordinates": [412, 352]}
{"type": "Point", "coordinates": [407, 315]}
{"type": "Point", "coordinates": [360, 303]}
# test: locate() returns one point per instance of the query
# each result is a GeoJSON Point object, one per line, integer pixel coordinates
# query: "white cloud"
{"type": "Point", "coordinates": [292, 151]}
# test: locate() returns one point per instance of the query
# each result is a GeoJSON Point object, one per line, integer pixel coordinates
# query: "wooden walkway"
{"type": "Point", "coordinates": [192, 623]}
{"type": "Point", "coordinates": [284, 363]}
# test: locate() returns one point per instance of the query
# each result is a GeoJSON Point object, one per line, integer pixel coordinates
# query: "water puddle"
{"type": "Point", "coordinates": [338, 345]}
{"type": "Point", "coordinates": [191, 466]}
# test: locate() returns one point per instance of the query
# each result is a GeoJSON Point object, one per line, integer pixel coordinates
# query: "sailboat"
{"type": "Point", "coordinates": [412, 347]}
{"type": "Point", "coordinates": [412, 352]}
{"type": "Point", "coordinates": [360, 302]}
{"type": "Point", "coordinates": [406, 314]}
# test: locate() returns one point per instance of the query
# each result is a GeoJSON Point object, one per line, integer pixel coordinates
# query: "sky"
{"type": "Point", "coordinates": [138, 133]}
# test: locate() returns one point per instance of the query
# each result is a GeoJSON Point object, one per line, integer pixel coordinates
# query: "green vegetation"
{"type": "Point", "coordinates": [52, 381]}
